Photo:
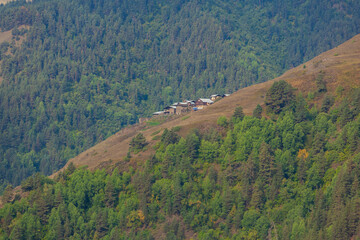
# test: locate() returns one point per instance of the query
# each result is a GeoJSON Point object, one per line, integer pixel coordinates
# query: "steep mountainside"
{"type": "Point", "coordinates": [89, 68]}
{"type": "Point", "coordinates": [291, 171]}
{"type": "Point", "coordinates": [339, 67]}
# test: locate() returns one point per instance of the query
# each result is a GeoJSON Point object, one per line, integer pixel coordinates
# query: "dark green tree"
{"type": "Point", "coordinates": [279, 96]}
{"type": "Point", "coordinates": [327, 103]}
{"type": "Point", "coordinates": [238, 114]}
{"type": "Point", "coordinates": [169, 137]}
{"type": "Point", "coordinates": [258, 112]}
{"type": "Point", "coordinates": [138, 142]}
{"type": "Point", "coordinates": [8, 194]}
{"type": "Point", "coordinates": [110, 194]}
{"type": "Point", "coordinates": [320, 82]}
{"type": "Point", "coordinates": [266, 163]}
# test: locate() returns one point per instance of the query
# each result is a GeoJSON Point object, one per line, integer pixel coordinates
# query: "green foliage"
{"type": "Point", "coordinates": [152, 123]}
{"type": "Point", "coordinates": [327, 103]}
{"type": "Point", "coordinates": [34, 182]}
{"type": "Point", "coordinates": [238, 114]}
{"type": "Point", "coordinates": [258, 111]}
{"type": "Point", "coordinates": [320, 83]}
{"type": "Point", "coordinates": [176, 129]}
{"type": "Point", "coordinates": [184, 118]}
{"type": "Point", "coordinates": [301, 112]}
{"type": "Point", "coordinates": [169, 137]}
{"type": "Point", "coordinates": [8, 194]}
{"type": "Point", "coordinates": [138, 143]}
{"type": "Point", "coordinates": [339, 91]}
{"type": "Point", "coordinates": [289, 178]}
{"type": "Point", "coordinates": [279, 96]}
{"type": "Point", "coordinates": [222, 121]}
{"type": "Point", "coordinates": [156, 132]}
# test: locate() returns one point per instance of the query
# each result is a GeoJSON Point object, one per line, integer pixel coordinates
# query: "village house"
{"type": "Point", "coordinates": [170, 110]}
{"type": "Point", "coordinates": [215, 97]}
{"type": "Point", "coordinates": [183, 107]}
{"type": "Point", "coordinates": [203, 102]}
{"type": "Point", "coordinates": [158, 113]}
{"type": "Point", "coordinates": [190, 103]}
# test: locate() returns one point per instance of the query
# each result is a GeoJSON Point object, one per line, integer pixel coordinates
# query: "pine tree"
{"type": "Point", "coordinates": [327, 103]}
{"type": "Point", "coordinates": [266, 163]}
{"type": "Point", "coordinates": [279, 96]}
{"type": "Point", "coordinates": [238, 114]}
{"type": "Point", "coordinates": [257, 197]}
{"type": "Point", "coordinates": [8, 194]}
{"type": "Point", "coordinates": [300, 112]}
{"type": "Point", "coordinates": [258, 112]}
{"type": "Point", "coordinates": [110, 194]}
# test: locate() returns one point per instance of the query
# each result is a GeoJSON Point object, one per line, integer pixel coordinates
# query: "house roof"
{"type": "Point", "coordinates": [158, 113]}
{"type": "Point", "coordinates": [206, 100]}
{"type": "Point", "coordinates": [168, 107]}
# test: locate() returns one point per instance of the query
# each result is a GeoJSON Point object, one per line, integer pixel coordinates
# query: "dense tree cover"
{"type": "Point", "coordinates": [87, 68]}
{"type": "Point", "coordinates": [279, 178]}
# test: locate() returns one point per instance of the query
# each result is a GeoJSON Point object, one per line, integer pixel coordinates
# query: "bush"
{"type": "Point", "coordinates": [320, 83]}
{"type": "Point", "coordinates": [222, 121]}
{"type": "Point", "coordinates": [169, 137]}
{"type": "Point", "coordinates": [138, 143]}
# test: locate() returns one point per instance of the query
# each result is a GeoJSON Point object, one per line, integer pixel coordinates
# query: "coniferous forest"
{"type": "Point", "coordinates": [294, 176]}
{"type": "Point", "coordinates": [81, 70]}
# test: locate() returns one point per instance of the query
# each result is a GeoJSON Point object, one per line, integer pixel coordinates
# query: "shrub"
{"type": "Point", "coordinates": [222, 121]}
{"type": "Point", "coordinates": [320, 83]}
{"type": "Point", "coordinates": [138, 143]}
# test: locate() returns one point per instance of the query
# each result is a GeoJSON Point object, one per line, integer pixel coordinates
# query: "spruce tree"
{"type": "Point", "coordinates": [279, 96]}
{"type": "Point", "coordinates": [257, 111]}
{"type": "Point", "coordinates": [238, 114]}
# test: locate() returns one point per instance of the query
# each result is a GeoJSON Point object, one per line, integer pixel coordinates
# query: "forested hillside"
{"type": "Point", "coordinates": [295, 176]}
{"type": "Point", "coordinates": [87, 68]}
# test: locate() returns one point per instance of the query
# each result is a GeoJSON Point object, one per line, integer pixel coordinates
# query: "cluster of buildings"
{"type": "Point", "coordinates": [189, 105]}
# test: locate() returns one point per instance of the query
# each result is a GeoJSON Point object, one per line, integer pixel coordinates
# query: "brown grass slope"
{"type": "Point", "coordinates": [341, 66]}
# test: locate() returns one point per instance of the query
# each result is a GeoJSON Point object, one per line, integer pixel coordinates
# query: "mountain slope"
{"type": "Point", "coordinates": [340, 66]}
{"type": "Point", "coordinates": [88, 68]}
{"type": "Point", "coordinates": [293, 175]}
